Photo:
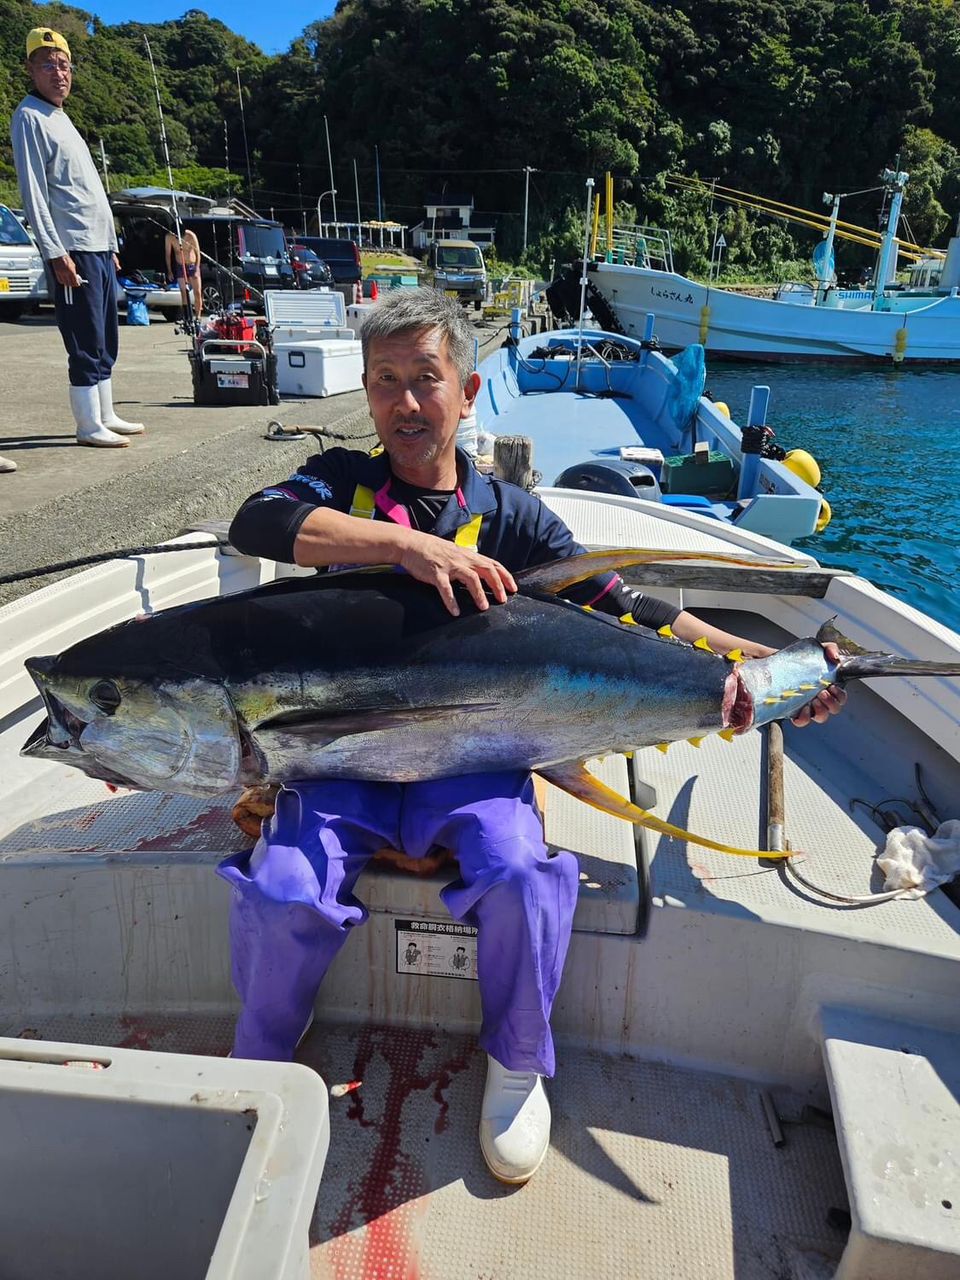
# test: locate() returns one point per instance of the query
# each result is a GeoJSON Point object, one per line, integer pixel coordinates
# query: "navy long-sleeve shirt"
{"type": "Point", "coordinates": [516, 529]}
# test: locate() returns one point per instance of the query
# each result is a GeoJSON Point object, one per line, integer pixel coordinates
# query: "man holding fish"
{"type": "Point", "coordinates": [419, 504]}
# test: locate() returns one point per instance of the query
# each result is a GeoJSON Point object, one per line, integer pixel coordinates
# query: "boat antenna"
{"type": "Point", "coordinates": [190, 324]}
{"type": "Point", "coordinates": [583, 282]}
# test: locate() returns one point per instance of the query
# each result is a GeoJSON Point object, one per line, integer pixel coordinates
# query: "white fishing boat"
{"type": "Point", "coordinates": [887, 322]}
{"type": "Point", "coordinates": [758, 1076]}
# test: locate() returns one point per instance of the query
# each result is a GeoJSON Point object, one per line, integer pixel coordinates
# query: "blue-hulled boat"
{"type": "Point", "coordinates": [610, 413]}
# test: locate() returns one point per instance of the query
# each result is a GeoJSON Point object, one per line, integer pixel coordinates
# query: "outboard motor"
{"type": "Point", "coordinates": [612, 475]}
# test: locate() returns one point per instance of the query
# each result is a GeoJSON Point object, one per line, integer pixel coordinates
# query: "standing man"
{"type": "Point", "coordinates": [183, 265]}
{"type": "Point", "coordinates": [73, 223]}
{"type": "Point", "coordinates": [418, 503]}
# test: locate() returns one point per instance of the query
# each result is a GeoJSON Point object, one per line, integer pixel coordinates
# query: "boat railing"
{"type": "Point", "coordinates": [641, 246]}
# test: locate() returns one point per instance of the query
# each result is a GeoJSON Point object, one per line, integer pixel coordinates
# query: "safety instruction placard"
{"type": "Point", "coordinates": [436, 949]}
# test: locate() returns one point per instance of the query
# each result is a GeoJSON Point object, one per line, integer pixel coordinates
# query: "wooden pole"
{"type": "Point", "coordinates": [513, 460]}
{"type": "Point", "coordinates": [775, 808]}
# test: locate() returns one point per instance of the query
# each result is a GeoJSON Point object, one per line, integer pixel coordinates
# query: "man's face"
{"type": "Point", "coordinates": [417, 401]}
{"type": "Point", "coordinates": [52, 76]}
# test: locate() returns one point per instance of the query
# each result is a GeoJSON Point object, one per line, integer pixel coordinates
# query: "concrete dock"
{"type": "Point", "coordinates": [194, 463]}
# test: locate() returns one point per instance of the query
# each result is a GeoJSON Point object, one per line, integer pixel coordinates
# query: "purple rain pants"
{"type": "Point", "coordinates": [294, 903]}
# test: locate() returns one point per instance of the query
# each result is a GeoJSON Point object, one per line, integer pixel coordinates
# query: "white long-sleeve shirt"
{"type": "Point", "coordinates": [61, 189]}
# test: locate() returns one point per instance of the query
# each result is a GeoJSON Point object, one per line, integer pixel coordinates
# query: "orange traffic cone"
{"type": "Point", "coordinates": [374, 291]}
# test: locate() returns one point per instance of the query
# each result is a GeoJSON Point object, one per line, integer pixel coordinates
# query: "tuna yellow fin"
{"type": "Point", "coordinates": [727, 735]}
{"type": "Point", "coordinates": [666, 631]}
{"type": "Point", "coordinates": [694, 742]}
{"type": "Point", "coordinates": [735, 655]}
{"type": "Point", "coordinates": [628, 620]}
{"type": "Point", "coordinates": [576, 780]}
{"type": "Point", "coordinates": [558, 575]}
{"type": "Point", "coordinates": [702, 644]}
{"type": "Point", "coordinates": [662, 746]}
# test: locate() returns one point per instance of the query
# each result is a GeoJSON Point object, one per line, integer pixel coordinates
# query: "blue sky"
{"type": "Point", "coordinates": [272, 27]}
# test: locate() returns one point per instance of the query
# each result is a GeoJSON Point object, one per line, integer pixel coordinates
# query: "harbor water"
{"type": "Point", "coordinates": [888, 445]}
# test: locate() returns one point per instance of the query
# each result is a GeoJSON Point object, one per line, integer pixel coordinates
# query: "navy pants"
{"type": "Point", "coordinates": [294, 904]}
{"type": "Point", "coordinates": [87, 319]}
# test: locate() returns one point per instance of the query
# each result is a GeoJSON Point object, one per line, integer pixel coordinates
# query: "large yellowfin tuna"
{"type": "Point", "coordinates": [366, 675]}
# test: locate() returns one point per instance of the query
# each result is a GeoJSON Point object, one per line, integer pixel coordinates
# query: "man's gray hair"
{"type": "Point", "coordinates": [413, 310]}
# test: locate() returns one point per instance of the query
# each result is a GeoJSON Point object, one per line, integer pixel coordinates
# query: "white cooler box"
{"type": "Point", "coordinates": [319, 367]}
{"type": "Point", "coordinates": [357, 313]}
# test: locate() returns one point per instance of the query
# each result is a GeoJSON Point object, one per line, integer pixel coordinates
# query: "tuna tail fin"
{"type": "Point", "coordinates": [868, 666]}
{"type": "Point", "coordinates": [558, 575]}
{"type": "Point", "coordinates": [857, 663]}
{"type": "Point", "coordinates": [577, 781]}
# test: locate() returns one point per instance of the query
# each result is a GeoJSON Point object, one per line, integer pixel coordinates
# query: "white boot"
{"type": "Point", "coordinates": [514, 1123]}
{"type": "Point", "coordinates": [7, 464]}
{"type": "Point", "coordinates": [108, 415]}
{"type": "Point", "coordinates": [85, 404]}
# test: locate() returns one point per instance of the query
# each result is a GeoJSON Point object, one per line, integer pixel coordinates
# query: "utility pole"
{"type": "Point", "coordinates": [226, 157]}
{"type": "Point", "coordinates": [376, 152]}
{"type": "Point", "coordinates": [527, 169]}
{"type": "Point", "coordinates": [333, 185]}
{"type": "Point", "coordinates": [356, 188]}
{"type": "Point", "coordinates": [303, 212]}
{"type": "Point", "coordinates": [103, 161]}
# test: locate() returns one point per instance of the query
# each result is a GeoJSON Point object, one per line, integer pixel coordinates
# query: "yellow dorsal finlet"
{"type": "Point", "coordinates": [702, 643]}
{"type": "Point", "coordinates": [662, 746]}
{"type": "Point", "coordinates": [695, 742]}
{"type": "Point", "coordinates": [735, 655]}
{"type": "Point", "coordinates": [666, 631]}
{"type": "Point", "coordinates": [727, 735]}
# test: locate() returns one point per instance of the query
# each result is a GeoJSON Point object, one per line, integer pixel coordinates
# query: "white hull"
{"type": "Point", "coordinates": [737, 326]}
{"type": "Point", "coordinates": [683, 963]}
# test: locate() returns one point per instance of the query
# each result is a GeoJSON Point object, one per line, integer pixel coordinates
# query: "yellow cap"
{"type": "Point", "coordinates": [46, 38]}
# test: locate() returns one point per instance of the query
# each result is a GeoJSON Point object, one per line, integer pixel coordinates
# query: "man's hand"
{"type": "Point", "coordinates": [825, 704]}
{"type": "Point", "coordinates": [441, 564]}
{"type": "Point", "coordinates": [65, 271]}
{"type": "Point", "coordinates": [116, 261]}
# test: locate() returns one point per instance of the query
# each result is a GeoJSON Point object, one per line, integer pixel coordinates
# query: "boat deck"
{"type": "Point", "coordinates": [652, 1171]}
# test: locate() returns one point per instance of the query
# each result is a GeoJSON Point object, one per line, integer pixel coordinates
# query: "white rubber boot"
{"type": "Point", "coordinates": [85, 404]}
{"type": "Point", "coordinates": [7, 464]}
{"type": "Point", "coordinates": [108, 415]}
{"type": "Point", "coordinates": [514, 1123]}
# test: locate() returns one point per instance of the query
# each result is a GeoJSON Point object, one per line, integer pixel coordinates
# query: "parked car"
{"type": "Point", "coordinates": [241, 256]}
{"type": "Point", "coordinates": [310, 271]}
{"type": "Point", "coordinates": [342, 257]}
{"type": "Point", "coordinates": [23, 283]}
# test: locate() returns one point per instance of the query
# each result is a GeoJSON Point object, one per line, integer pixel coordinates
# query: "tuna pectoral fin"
{"type": "Point", "coordinates": [575, 779]}
{"type": "Point", "coordinates": [558, 575]}
{"type": "Point", "coordinates": [327, 728]}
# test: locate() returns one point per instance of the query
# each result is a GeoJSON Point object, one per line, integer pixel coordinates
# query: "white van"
{"type": "Point", "coordinates": [23, 283]}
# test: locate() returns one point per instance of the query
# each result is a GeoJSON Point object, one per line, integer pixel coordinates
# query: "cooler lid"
{"type": "Point", "coordinates": [309, 309]}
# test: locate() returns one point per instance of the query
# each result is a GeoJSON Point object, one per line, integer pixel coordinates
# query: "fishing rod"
{"type": "Point", "coordinates": [191, 321]}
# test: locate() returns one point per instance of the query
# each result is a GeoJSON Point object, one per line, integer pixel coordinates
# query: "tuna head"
{"type": "Point", "coordinates": [152, 735]}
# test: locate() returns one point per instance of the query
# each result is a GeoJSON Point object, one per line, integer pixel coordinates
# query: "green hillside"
{"type": "Point", "coordinates": [788, 98]}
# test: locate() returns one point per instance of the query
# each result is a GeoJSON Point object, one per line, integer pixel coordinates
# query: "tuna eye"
{"type": "Point", "coordinates": [105, 696]}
